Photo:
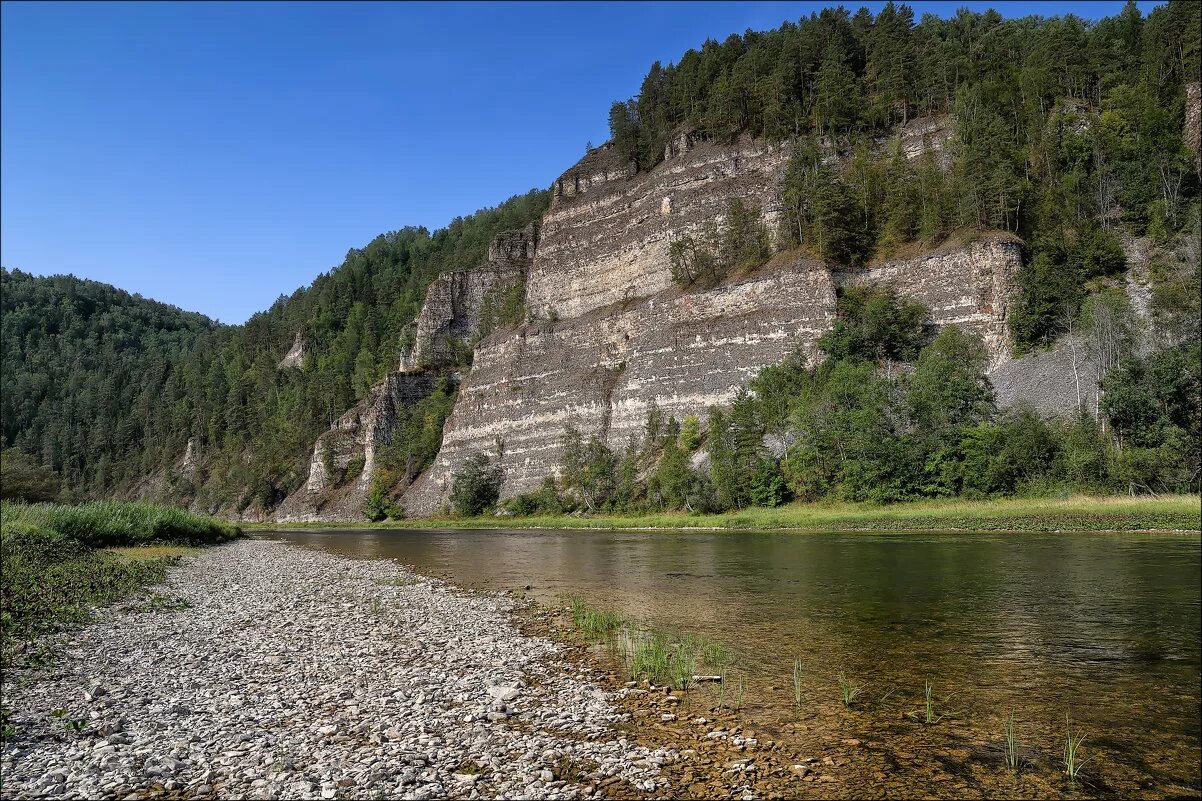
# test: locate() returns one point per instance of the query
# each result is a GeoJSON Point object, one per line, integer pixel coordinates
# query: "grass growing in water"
{"type": "Point", "coordinates": [593, 623]}
{"type": "Point", "coordinates": [797, 684]}
{"type": "Point", "coordinates": [656, 656]}
{"type": "Point", "coordinates": [1072, 746]}
{"type": "Point", "coordinates": [849, 691]}
{"type": "Point", "coordinates": [929, 715]}
{"type": "Point", "coordinates": [1011, 743]}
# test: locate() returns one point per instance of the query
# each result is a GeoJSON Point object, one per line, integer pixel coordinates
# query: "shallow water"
{"type": "Point", "coordinates": [1105, 627]}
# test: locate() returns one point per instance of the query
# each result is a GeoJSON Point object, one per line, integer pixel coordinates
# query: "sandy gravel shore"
{"type": "Point", "coordinates": [292, 673]}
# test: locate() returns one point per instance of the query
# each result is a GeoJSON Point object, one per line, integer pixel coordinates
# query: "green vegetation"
{"type": "Point", "coordinates": [895, 414]}
{"type": "Point", "coordinates": [1073, 738]}
{"type": "Point", "coordinates": [1068, 513]}
{"type": "Point", "coordinates": [476, 487]}
{"type": "Point", "coordinates": [1064, 131]}
{"type": "Point", "coordinates": [849, 691]}
{"type": "Point", "coordinates": [645, 653]}
{"type": "Point", "coordinates": [106, 524]}
{"type": "Point", "coordinates": [797, 685]}
{"type": "Point", "coordinates": [741, 241]}
{"type": "Point", "coordinates": [1011, 740]}
{"type": "Point", "coordinates": [105, 388]}
{"type": "Point", "coordinates": [591, 622]}
{"type": "Point", "coordinates": [53, 569]}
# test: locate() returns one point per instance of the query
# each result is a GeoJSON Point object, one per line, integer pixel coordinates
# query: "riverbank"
{"type": "Point", "coordinates": [1075, 513]}
{"type": "Point", "coordinates": [277, 671]}
{"type": "Point", "coordinates": [58, 560]}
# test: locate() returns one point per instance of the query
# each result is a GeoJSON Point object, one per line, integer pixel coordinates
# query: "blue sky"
{"type": "Point", "coordinates": [216, 156]}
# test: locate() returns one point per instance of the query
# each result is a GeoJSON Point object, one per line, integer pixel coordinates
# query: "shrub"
{"type": "Point", "coordinates": [476, 486]}
{"type": "Point", "coordinates": [690, 433]}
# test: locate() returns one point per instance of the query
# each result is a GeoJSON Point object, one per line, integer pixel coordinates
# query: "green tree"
{"type": "Point", "coordinates": [475, 487]}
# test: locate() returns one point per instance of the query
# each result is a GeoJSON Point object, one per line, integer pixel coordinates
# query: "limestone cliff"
{"type": "Point", "coordinates": [295, 357]}
{"type": "Point", "coordinates": [605, 238]}
{"type": "Point", "coordinates": [450, 317]}
{"type": "Point", "coordinates": [609, 332]}
{"type": "Point", "coordinates": [601, 370]}
{"type": "Point", "coordinates": [344, 458]}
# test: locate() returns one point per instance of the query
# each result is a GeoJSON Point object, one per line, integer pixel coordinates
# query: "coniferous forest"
{"type": "Point", "coordinates": [1065, 133]}
{"type": "Point", "coordinates": [106, 388]}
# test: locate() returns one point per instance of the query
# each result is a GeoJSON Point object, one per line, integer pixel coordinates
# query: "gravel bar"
{"type": "Point", "coordinates": [299, 674]}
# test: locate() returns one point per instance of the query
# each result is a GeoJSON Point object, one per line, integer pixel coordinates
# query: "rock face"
{"type": "Point", "coordinates": [295, 357]}
{"type": "Point", "coordinates": [600, 371]}
{"type": "Point", "coordinates": [609, 332]}
{"type": "Point", "coordinates": [450, 315]}
{"type": "Point", "coordinates": [353, 438]}
{"type": "Point", "coordinates": [968, 284]}
{"type": "Point", "coordinates": [605, 238]}
{"type": "Point", "coordinates": [920, 135]}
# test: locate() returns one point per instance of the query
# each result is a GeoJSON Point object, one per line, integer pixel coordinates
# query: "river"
{"type": "Point", "coordinates": [1104, 628]}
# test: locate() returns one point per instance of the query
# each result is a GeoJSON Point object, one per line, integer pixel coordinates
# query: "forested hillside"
{"type": "Point", "coordinates": [1066, 132]}
{"type": "Point", "coordinates": [107, 388]}
{"type": "Point", "coordinates": [84, 368]}
{"type": "Point", "coordinates": [1070, 135]}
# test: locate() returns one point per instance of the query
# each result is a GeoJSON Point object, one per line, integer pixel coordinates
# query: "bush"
{"type": "Point", "coordinates": [690, 433]}
{"type": "Point", "coordinates": [476, 486]}
{"type": "Point", "coordinates": [380, 506]}
{"type": "Point", "coordinates": [546, 500]}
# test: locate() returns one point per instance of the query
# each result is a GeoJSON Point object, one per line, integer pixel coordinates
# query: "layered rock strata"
{"type": "Point", "coordinates": [609, 332]}
{"type": "Point", "coordinates": [968, 284]}
{"type": "Point", "coordinates": [601, 371]}
{"type": "Point", "coordinates": [605, 238]}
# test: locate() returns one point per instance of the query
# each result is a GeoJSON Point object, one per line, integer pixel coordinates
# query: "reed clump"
{"type": "Point", "coordinates": [1073, 738]}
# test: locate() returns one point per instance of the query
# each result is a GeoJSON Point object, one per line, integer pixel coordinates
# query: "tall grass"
{"type": "Point", "coordinates": [51, 570]}
{"type": "Point", "coordinates": [103, 524]}
{"type": "Point", "coordinates": [797, 668]}
{"type": "Point", "coordinates": [1073, 738]}
{"type": "Point", "coordinates": [1011, 742]}
{"type": "Point", "coordinates": [1074, 513]}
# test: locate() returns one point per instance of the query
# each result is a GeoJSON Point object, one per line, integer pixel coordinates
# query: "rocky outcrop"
{"type": "Point", "coordinates": [600, 371]}
{"type": "Point", "coordinates": [920, 135]}
{"type": "Point", "coordinates": [966, 283]}
{"type": "Point", "coordinates": [351, 443]}
{"type": "Point", "coordinates": [609, 332]}
{"type": "Point", "coordinates": [295, 357]}
{"type": "Point", "coordinates": [605, 238]}
{"type": "Point", "coordinates": [450, 316]}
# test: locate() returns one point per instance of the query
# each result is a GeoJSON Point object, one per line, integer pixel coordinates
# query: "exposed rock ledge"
{"type": "Point", "coordinates": [285, 677]}
{"type": "Point", "coordinates": [686, 351]}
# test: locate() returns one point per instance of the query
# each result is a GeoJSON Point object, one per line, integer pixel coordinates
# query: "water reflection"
{"type": "Point", "coordinates": [1107, 625]}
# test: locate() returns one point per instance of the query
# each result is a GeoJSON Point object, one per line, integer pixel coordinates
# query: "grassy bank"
{"type": "Point", "coordinates": [55, 563]}
{"type": "Point", "coordinates": [1075, 513]}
